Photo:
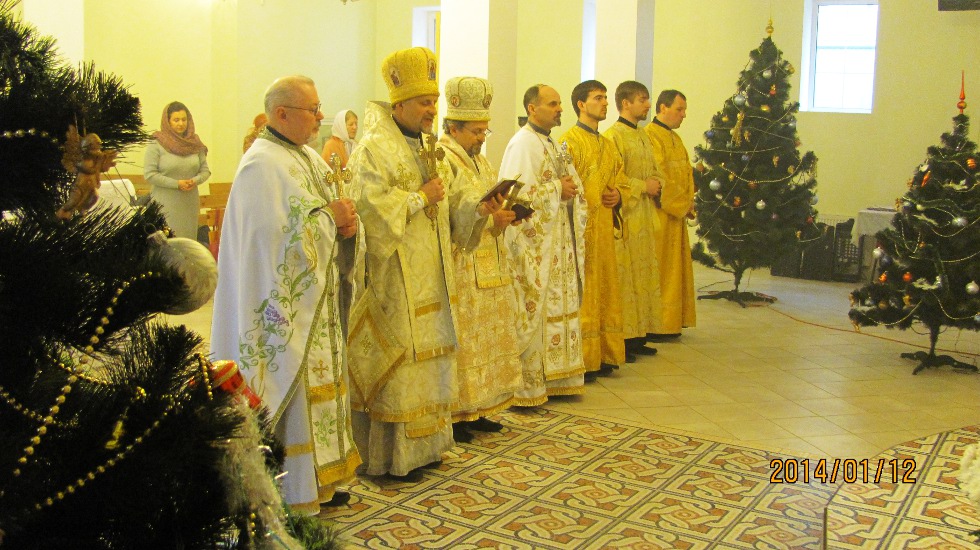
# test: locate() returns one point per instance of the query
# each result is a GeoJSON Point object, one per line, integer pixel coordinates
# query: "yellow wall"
{"type": "Point", "coordinates": [700, 46]}
{"type": "Point", "coordinates": [219, 55]}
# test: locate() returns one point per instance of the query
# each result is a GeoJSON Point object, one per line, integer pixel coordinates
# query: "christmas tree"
{"type": "Point", "coordinates": [754, 192]}
{"type": "Point", "coordinates": [114, 432]}
{"type": "Point", "coordinates": [929, 258]}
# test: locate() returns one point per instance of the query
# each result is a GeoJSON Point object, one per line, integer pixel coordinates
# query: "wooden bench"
{"type": "Point", "coordinates": [213, 211]}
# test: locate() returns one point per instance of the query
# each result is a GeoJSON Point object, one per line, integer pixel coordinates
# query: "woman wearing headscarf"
{"type": "Point", "coordinates": [175, 164]}
{"type": "Point", "coordinates": [342, 141]}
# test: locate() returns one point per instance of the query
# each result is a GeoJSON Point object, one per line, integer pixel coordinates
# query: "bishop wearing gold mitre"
{"type": "Point", "coordinates": [402, 338]}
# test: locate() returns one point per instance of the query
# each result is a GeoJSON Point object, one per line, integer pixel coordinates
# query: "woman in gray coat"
{"type": "Point", "coordinates": [175, 164]}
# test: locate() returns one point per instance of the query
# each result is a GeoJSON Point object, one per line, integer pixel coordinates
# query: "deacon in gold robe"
{"type": "Point", "coordinates": [548, 254]}
{"type": "Point", "coordinates": [676, 206]}
{"type": "Point", "coordinates": [604, 186]}
{"type": "Point", "coordinates": [402, 338]}
{"type": "Point", "coordinates": [639, 271]}
{"type": "Point", "coordinates": [487, 359]}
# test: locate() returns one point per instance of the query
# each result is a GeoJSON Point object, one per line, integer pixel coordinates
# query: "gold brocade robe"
{"type": "Point", "coordinates": [488, 361]}
{"type": "Point", "coordinates": [673, 246]}
{"type": "Point", "coordinates": [600, 167]}
{"type": "Point", "coordinates": [402, 338]}
{"type": "Point", "coordinates": [639, 272]}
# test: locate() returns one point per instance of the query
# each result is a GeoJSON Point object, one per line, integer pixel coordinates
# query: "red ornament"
{"type": "Point", "coordinates": [753, 185]}
{"type": "Point", "coordinates": [737, 202]}
{"type": "Point", "coordinates": [925, 178]}
{"type": "Point", "coordinates": [772, 90]}
{"type": "Point", "coordinates": [225, 375]}
{"type": "Point", "coordinates": [907, 277]}
{"type": "Point", "coordinates": [883, 277]}
{"type": "Point", "coordinates": [809, 219]}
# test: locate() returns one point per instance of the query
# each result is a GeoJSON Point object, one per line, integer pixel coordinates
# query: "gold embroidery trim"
{"type": "Point", "coordinates": [301, 449]}
{"type": "Point", "coordinates": [428, 308]}
{"type": "Point", "coordinates": [434, 352]}
{"type": "Point", "coordinates": [321, 394]}
{"type": "Point", "coordinates": [562, 318]}
{"type": "Point", "coordinates": [334, 473]}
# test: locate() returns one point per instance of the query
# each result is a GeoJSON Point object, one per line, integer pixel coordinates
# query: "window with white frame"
{"type": "Point", "coordinates": [839, 40]}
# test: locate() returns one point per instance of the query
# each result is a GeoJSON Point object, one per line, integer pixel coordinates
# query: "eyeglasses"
{"type": "Point", "coordinates": [314, 110]}
{"type": "Point", "coordinates": [480, 133]}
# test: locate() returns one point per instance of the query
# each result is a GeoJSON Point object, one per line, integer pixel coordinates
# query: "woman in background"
{"type": "Point", "coordinates": [342, 141]}
{"type": "Point", "coordinates": [175, 164]}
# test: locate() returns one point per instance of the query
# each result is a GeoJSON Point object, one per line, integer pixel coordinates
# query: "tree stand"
{"type": "Point", "coordinates": [931, 360]}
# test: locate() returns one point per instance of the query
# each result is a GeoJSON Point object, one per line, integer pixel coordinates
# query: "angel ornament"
{"type": "Point", "coordinates": [85, 158]}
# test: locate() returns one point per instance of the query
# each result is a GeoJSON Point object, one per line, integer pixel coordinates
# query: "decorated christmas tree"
{"type": "Point", "coordinates": [930, 256]}
{"type": "Point", "coordinates": [114, 429]}
{"type": "Point", "coordinates": [754, 196]}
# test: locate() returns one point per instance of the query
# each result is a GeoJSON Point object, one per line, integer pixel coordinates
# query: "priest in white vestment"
{"type": "Point", "coordinates": [487, 358]}
{"type": "Point", "coordinates": [289, 244]}
{"type": "Point", "coordinates": [402, 339]}
{"type": "Point", "coordinates": [548, 254]}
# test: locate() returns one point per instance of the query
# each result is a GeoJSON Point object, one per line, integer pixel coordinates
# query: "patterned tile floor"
{"type": "Point", "coordinates": [932, 512]}
{"type": "Point", "coordinates": [555, 480]}
{"type": "Point", "coordinates": [792, 378]}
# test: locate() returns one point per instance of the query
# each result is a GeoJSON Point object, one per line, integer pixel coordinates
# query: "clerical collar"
{"type": "Point", "coordinates": [658, 123]}
{"type": "Point", "coordinates": [280, 136]}
{"type": "Point", "coordinates": [626, 122]}
{"type": "Point", "coordinates": [539, 129]}
{"type": "Point", "coordinates": [587, 128]}
{"type": "Point", "coordinates": [406, 132]}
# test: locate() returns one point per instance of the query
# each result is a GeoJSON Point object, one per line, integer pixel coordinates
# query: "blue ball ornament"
{"type": "Point", "coordinates": [709, 134]}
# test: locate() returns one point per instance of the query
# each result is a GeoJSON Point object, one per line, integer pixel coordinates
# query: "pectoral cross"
{"type": "Point", "coordinates": [561, 163]}
{"type": "Point", "coordinates": [431, 155]}
{"type": "Point", "coordinates": [339, 176]}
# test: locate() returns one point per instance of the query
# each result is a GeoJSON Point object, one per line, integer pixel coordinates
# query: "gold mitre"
{"type": "Point", "coordinates": [410, 73]}
{"type": "Point", "coordinates": [469, 98]}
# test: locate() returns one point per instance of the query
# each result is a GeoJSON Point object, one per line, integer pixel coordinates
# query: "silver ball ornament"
{"type": "Point", "coordinates": [814, 199]}
{"type": "Point", "coordinates": [960, 221]}
{"type": "Point", "coordinates": [195, 265]}
{"type": "Point", "coordinates": [767, 73]}
{"type": "Point", "coordinates": [761, 205]}
{"type": "Point", "coordinates": [715, 184]}
{"type": "Point", "coordinates": [972, 287]}
{"type": "Point", "coordinates": [878, 252]}
{"type": "Point", "coordinates": [739, 99]}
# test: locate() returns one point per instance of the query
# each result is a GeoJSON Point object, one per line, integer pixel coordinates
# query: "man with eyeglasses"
{"type": "Point", "coordinates": [487, 359]}
{"type": "Point", "coordinates": [289, 243]}
{"type": "Point", "coordinates": [403, 326]}
{"type": "Point", "coordinates": [547, 253]}
{"type": "Point", "coordinates": [605, 188]}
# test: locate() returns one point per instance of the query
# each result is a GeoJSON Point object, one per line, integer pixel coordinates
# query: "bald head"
{"type": "Point", "coordinates": [293, 108]}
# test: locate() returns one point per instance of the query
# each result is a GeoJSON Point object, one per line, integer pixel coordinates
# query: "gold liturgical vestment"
{"type": "Point", "coordinates": [673, 246]}
{"type": "Point", "coordinates": [599, 165]}
{"type": "Point", "coordinates": [639, 271]}
{"type": "Point", "coordinates": [488, 360]}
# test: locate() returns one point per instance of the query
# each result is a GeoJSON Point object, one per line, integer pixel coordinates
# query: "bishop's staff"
{"type": "Point", "coordinates": [339, 177]}
{"type": "Point", "coordinates": [431, 155]}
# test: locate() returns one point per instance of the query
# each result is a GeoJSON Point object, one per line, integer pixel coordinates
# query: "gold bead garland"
{"type": "Point", "coordinates": [75, 374]}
